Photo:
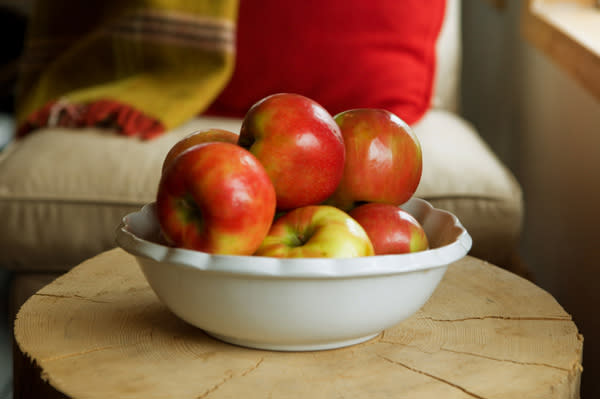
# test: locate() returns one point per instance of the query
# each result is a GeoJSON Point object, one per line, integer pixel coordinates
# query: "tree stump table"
{"type": "Point", "coordinates": [99, 331]}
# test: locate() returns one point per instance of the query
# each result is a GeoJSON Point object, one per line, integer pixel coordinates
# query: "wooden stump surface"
{"type": "Point", "coordinates": [99, 331]}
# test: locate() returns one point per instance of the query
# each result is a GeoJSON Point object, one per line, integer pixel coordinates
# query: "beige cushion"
{"type": "Point", "coordinates": [64, 191]}
{"type": "Point", "coordinates": [462, 175]}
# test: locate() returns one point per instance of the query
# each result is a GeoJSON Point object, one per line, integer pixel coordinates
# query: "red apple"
{"type": "Point", "coordinates": [383, 159]}
{"type": "Point", "coordinates": [300, 146]}
{"type": "Point", "coordinates": [391, 229]}
{"type": "Point", "coordinates": [216, 198]}
{"type": "Point", "coordinates": [199, 137]}
{"type": "Point", "coordinates": [316, 231]}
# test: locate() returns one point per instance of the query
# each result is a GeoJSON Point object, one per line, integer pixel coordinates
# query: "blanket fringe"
{"type": "Point", "coordinates": [104, 113]}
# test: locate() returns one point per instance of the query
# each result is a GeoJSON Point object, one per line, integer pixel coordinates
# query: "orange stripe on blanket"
{"type": "Point", "coordinates": [104, 113]}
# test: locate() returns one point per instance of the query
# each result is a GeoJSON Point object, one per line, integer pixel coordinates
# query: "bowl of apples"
{"type": "Point", "coordinates": [301, 232]}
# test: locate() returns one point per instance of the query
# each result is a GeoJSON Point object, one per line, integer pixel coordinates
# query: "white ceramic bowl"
{"type": "Point", "coordinates": [294, 304]}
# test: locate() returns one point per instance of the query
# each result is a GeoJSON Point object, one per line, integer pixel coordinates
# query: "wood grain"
{"type": "Point", "coordinates": [99, 331]}
{"type": "Point", "coordinates": [568, 32]}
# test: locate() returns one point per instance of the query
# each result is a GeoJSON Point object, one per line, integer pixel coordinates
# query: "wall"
{"type": "Point", "coordinates": [546, 128]}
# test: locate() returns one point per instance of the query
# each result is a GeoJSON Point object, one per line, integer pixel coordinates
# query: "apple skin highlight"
{"type": "Point", "coordinates": [300, 146]}
{"type": "Point", "coordinates": [391, 229]}
{"type": "Point", "coordinates": [316, 231]}
{"type": "Point", "coordinates": [383, 159]}
{"type": "Point", "coordinates": [216, 198]}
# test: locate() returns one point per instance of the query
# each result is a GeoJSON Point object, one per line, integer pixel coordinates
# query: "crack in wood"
{"type": "Point", "coordinates": [251, 369]}
{"type": "Point", "coordinates": [218, 385]}
{"type": "Point", "coordinates": [74, 296]}
{"type": "Point", "coordinates": [507, 360]}
{"type": "Point", "coordinates": [228, 377]}
{"type": "Point", "coordinates": [439, 379]}
{"type": "Point", "coordinates": [76, 354]}
{"type": "Point", "coordinates": [494, 317]}
{"type": "Point", "coordinates": [567, 370]}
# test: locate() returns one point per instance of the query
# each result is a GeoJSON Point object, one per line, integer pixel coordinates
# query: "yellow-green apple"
{"type": "Point", "coordinates": [300, 146]}
{"type": "Point", "coordinates": [217, 198]}
{"type": "Point", "coordinates": [391, 229]}
{"type": "Point", "coordinates": [383, 159]}
{"type": "Point", "coordinates": [316, 231]}
{"type": "Point", "coordinates": [198, 137]}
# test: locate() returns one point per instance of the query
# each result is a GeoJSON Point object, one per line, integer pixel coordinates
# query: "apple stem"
{"type": "Point", "coordinates": [189, 210]}
{"type": "Point", "coordinates": [246, 141]}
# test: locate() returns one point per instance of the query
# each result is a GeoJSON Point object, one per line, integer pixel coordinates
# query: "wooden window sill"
{"type": "Point", "coordinates": [569, 33]}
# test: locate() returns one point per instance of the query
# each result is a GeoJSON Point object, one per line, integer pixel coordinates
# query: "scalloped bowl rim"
{"type": "Point", "coordinates": [139, 235]}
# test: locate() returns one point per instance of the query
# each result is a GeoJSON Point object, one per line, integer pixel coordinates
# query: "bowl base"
{"type": "Point", "coordinates": [318, 346]}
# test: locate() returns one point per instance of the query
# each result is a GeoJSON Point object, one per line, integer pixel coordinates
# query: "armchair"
{"type": "Point", "coordinates": [64, 190]}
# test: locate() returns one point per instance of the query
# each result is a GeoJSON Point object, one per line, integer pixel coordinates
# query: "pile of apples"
{"type": "Point", "coordinates": [295, 182]}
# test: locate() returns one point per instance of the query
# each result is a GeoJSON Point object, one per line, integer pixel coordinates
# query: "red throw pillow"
{"type": "Point", "coordinates": [343, 54]}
